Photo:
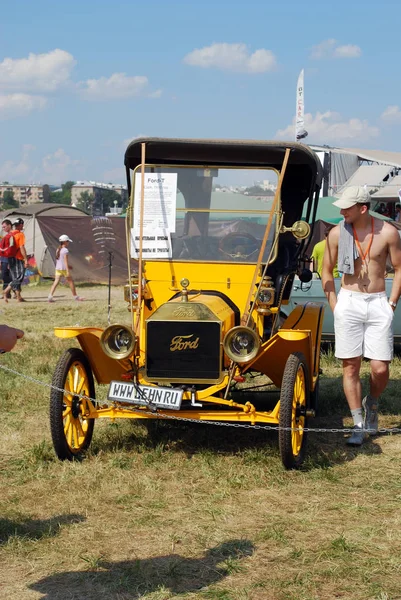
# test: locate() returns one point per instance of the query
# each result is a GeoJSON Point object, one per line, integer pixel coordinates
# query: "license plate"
{"type": "Point", "coordinates": [145, 394]}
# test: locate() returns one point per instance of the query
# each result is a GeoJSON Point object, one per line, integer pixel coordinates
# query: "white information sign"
{"type": "Point", "coordinates": [160, 200]}
{"type": "Point", "coordinates": [156, 244]}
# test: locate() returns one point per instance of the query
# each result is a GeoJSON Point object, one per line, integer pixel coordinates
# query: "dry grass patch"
{"type": "Point", "coordinates": [187, 511]}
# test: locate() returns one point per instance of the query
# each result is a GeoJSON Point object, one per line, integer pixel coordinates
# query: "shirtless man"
{"type": "Point", "coordinates": [362, 313]}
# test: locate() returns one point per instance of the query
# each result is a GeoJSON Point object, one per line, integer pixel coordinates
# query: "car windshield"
{"type": "Point", "coordinates": [203, 213]}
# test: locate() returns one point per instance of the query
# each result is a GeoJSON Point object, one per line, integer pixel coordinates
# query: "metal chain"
{"type": "Point", "coordinates": [198, 421]}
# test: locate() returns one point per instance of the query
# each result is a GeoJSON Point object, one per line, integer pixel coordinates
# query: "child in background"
{"type": "Point", "coordinates": [63, 268]}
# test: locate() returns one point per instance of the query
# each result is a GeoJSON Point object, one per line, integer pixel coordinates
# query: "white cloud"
{"type": "Point", "coordinates": [232, 57]}
{"type": "Point", "coordinates": [116, 175]}
{"type": "Point", "coordinates": [15, 171]}
{"type": "Point", "coordinates": [119, 85]}
{"type": "Point", "coordinates": [392, 114]}
{"type": "Point", "coordinates": [329, 127]}
{"type": "Point", "coordinates": [53, 168]}
{"type": "Point", "coordinates": [58, 166]}
{"type": "Point", "coordinates": [20, 105]}
{"type": "Point", "coordinates": [330, 49]}
{"type": "Point", "coordinates": [39, 72]}
{"type": "Point", "coordinates": [323, 50]}
{"type": "Point", "coordinates": [347, 51]}
{"type": "Point", "coordinates": [155, 94]}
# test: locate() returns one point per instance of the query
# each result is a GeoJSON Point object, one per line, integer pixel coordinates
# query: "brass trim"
{"type": "Point", "coordinates": [130, 208]}
{"type": "Point", "coordinates": [105, 339]}
{"type": "Point", "coordinates": [300, 229]}
{"type": "Point", "coordinates": [234, 357]}
{"type": "Point", "coordinates": [223, 211]}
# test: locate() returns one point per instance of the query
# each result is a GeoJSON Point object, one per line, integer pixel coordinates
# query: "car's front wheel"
{"type": "Point", "coordinates": [71, 428]}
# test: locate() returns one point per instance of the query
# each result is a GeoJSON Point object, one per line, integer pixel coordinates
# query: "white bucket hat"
{"type": "Point", "coordinates": [64, 238]}
{"type": "Point", "coordinates": [354, 194]}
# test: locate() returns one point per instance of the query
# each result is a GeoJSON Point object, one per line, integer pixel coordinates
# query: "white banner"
{"type": "Point", "coordinates": [160, 200]}
{"type": "Point", "coordinates": [155, 245]}
{"type": "Point", "coordinates": [300, 131]}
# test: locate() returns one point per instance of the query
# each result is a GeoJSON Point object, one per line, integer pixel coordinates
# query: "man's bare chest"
{"type": "Point", "coordinates": [372, 247]}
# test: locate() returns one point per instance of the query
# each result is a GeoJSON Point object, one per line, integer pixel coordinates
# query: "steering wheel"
{"type": "Point", "coordinates": [239, 245]}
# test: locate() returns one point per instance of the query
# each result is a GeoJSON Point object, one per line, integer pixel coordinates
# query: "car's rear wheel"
{"type": "Point", "coordinates": [70, 427]}
{"type": "Point", "coordinates": [294, 402]}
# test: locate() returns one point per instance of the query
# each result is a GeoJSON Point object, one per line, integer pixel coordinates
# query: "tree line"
{"type": "Point", "coordinates": [94, 204]}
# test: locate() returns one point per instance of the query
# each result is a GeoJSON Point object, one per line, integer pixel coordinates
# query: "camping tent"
{"type": "Point", "coordinates": [35, 242]}
{"type": "Point", "coordinates": [93, 241]}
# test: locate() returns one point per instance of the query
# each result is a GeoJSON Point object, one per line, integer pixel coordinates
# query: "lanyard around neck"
{"type": "Point", "coordinates": [362, 254]}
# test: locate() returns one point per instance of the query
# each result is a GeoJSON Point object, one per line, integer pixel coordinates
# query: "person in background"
{"type": "Point", "coordinates": [17, 263]}
{"type": "Point", "coordinates": [9, 337]}
{"type": "Point", "coordinates": [318, 253]}
{"type": "Point", "coordinates": [363, 315]}
{"type": "Point", "coordinates": [397, 216]}
{"type": "Point", "coordinates": [5, 271]}
{"type": "Point", "coordinates": [383, 210]}
{"type": "Point", "coordinates": [63, 268]}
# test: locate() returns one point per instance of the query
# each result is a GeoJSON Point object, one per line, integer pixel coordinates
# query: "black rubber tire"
{"type": "Point", "coordinates": [73, 358]}
{"type": "Point", "coordinates": [289, 416]}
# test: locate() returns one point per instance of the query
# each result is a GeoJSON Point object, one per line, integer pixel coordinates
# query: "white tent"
{"type": "Point", "coordinates": [35, 242]}
{"type": "Point", "coordinates": [371, 176]}
{"type": "Point", "coordinates": [390, 191]}
{"type": "Point", "coordinates": [355, 166]}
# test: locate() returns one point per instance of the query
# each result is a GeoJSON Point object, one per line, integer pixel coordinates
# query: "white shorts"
{"type": "Point", "coordinates": [363, 325]}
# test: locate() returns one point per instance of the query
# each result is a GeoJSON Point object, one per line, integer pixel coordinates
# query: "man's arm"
{"type": "Point", "coordinates": [9, 337]}
{"type": "Point", "coordinates": [394, 248]}
{"type": "Point", "coordinates": [19, 239]}
{"type": "Point", "coordinates": [329, 262]}
{"type": "Point", "coordinates": [24, 254]}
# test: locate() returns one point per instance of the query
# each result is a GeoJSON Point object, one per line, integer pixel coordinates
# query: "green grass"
{"type": "Point", "coordinates": [187, 511]}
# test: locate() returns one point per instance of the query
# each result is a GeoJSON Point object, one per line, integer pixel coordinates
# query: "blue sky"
{"type": "Point", "coordinates": [79, 79]}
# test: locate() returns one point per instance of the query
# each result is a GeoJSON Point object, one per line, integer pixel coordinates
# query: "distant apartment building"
{"type": "Point", "coordinates": [26, 193]}
{"type": "Point", "coordinates": [266, 184]}
{"type": "Point", "coordinates": [95, 189]}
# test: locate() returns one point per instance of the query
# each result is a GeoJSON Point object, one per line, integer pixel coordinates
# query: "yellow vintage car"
{"type": "Point", "coordinates": [211, 263]}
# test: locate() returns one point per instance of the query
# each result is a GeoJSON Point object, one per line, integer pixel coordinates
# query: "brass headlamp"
{"type": "Point", "coordinates": [241, 344]}
{"type": "Point", "coordinates": [134, 292]}
{"type": "Point", "coordinates": [133, 289]}
{"type": "Point", "coordinates": [118, 341]}
{"type": "Point", "coordinates": [266, 296]}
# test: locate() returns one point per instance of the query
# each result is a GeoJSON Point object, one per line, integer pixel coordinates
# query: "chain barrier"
{"type": "Point", "coordinates": [198, 421]}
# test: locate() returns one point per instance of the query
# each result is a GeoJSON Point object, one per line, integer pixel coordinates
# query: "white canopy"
{"type": "Point", "coordinates": [389, 191]}
{"type": "Point", "coordinates": [379, 156]}
{"type": "Point", "coordinates": [370, 176]}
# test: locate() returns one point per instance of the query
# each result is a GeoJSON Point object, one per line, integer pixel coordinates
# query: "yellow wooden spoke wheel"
{"type": "Point", "coordinates": [294, 402]}
{"type": "Point", "coordinates": [71, 429]}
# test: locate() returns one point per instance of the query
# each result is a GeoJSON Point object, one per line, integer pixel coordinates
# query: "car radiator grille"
{"type": "Point", "coordinates": [183, 350]}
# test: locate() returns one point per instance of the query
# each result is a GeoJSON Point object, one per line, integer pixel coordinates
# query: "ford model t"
{"type": "Point", "coordinates": [212, 257]}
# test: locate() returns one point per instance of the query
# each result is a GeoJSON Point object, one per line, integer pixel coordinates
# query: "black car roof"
{"type": "Point", "coordinates": [220, 152]}
{"type": "Point", "coordinates": [302, 179]}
